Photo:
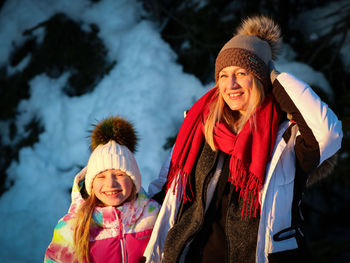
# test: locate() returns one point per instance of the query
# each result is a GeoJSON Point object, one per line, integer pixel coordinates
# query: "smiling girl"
{"type": "Point", "coordinates": [110, 218]}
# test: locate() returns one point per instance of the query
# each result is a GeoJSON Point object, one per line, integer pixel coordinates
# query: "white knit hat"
{"type": "Point", "coordinates": [113, 142]}
{"type": "Point", "coordinates": [112, 156]}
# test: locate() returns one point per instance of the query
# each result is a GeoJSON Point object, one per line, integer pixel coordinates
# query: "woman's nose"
{"type": "Point", "coordinates": [233, 83]}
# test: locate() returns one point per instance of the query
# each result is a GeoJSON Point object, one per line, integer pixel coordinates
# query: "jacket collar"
{"type": "Point", "coordinates": [126, 214]}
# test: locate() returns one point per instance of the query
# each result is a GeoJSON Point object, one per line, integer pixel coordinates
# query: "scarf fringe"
{"type": "Point", "coordinates": [182, 180]}
{"type": "Point", "coordinates": [248, 186]}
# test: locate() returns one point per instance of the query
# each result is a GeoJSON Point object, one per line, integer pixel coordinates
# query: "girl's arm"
{"type": "Point", "coordinates": [156, 188]}
{"type": "Point", "coordinates": [61, 247]}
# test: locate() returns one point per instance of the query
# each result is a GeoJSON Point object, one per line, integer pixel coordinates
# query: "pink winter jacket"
{"type": "Point", "coordinates": [118, 234]}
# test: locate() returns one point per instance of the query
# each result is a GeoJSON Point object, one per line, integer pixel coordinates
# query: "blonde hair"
{"type": "Point", "coordinates": [83, 222]}
{"type": "Point", "coordinates": [220, 111]}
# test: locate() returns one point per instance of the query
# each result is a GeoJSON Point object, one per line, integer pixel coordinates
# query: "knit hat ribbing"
{"type": "Point", "coordinates": [113, 140]}
{"type": "Point", "coordinates": [257, 42]}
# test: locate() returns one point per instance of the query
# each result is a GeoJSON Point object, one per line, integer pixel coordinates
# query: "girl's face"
{"type": "Point", "coordinates": [235, 86]}
{"type": "Point", "coordinates": [112, 187]}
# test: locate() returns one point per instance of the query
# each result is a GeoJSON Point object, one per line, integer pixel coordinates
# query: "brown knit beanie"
{"type": "Point", "coordinates": [257, 41]}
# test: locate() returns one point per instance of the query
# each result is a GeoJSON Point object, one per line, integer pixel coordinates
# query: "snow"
{"type": "Point", "coordinates": [146, 86]}
{"type": "Point", "coordinates": [286, 63]}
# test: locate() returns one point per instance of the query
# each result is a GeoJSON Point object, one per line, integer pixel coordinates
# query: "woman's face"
{"type": "Point", "coordinates": [235, 86]}
{"type": "Point", "coordinates": [112, 187]}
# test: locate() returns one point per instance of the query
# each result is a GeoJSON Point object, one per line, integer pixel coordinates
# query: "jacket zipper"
{"type": "Point", "coordinates": [122, 239]}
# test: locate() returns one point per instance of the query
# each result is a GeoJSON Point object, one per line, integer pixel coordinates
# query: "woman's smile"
{"type": "Point", "coordinates": [235, 95]}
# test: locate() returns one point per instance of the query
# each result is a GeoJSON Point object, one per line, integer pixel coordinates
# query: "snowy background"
{"type": "Point", "coordinates": [147, 86]}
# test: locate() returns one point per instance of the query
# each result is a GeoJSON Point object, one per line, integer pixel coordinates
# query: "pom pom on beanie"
{"type": "Point", "coordinates": [113, 140]}
{"type": "Point", "coordinates": [114, 128]}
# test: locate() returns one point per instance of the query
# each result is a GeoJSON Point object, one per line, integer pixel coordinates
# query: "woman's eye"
{"type": "Point", "coordinates": [241, 73]}
{"type": "Point", "coordinates": [223, 76]}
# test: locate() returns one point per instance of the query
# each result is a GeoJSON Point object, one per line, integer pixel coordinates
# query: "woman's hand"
{"type": "Point", "coordinates": [273, 71]}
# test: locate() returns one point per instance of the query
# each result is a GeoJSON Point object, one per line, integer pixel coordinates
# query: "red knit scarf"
{"type": "Point", "coordinates": [250, 150]}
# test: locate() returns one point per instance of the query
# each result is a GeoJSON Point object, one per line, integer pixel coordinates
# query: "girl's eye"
{"type": "Point", "coordinates": [118, 175]}
{"type": "Point", "coordinates": [100, 176]}
{"type": "Point", "coordinates": [223, 76]}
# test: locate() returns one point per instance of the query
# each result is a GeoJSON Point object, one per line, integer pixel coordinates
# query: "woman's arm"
{"type": "Point", "coordinates": [320, 131]}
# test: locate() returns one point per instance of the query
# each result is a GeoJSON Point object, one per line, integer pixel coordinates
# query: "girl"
{"type": "Point", "coordinates": [110, 218]}
{"type": "Point", "coordinates": [241, 160]}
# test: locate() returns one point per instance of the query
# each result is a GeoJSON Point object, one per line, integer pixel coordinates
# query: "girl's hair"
{"type": "Point", "coordinates": [83, 222]}
{"type": "Point", "coordinates": [220, 111]}
{"type": "Point", "coordinates": [82, 227]}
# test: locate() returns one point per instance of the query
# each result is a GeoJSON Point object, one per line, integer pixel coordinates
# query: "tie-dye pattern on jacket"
{"type": "Point", "coordinates": [118, 234]}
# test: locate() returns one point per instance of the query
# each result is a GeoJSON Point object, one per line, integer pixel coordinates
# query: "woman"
{"type": "Point", "coordinates": [111, 217]}
{"type": "Point", "coordinates": [239, 165]}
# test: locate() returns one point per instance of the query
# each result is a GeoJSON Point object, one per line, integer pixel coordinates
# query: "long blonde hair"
{"type": "Point", "coordinates": [82, 228]}
{"type": "Point", "coordinates": [220, 111]}
{"type": "Point", "coordinates": [83, 223]}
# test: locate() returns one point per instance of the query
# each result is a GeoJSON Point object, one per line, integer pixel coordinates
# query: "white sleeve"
{"type": "Point", "coordinates": [156, 185]}
{"type": "Point", "coordinates": [325, 125]}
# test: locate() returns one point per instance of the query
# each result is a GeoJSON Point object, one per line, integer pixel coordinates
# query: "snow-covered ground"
{"type": "Point", "coordinates": [146, 86]}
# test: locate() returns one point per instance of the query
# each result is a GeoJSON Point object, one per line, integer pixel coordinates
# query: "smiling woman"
{"type": "Point", "coordinates": [239, 165]}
